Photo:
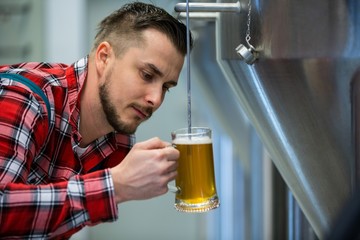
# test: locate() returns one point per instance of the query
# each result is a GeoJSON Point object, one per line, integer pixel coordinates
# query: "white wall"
{"type": "Point", "coordinates": [65, 30]}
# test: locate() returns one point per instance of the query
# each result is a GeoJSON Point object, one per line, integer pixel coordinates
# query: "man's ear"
{"type": "Point", "coordinates": [102, 57]}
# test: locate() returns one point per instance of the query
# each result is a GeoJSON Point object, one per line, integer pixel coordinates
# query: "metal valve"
{"type": "Point", "coordinates": [211, 7]}
{"type": "Point", "coordinates": [248, 54]}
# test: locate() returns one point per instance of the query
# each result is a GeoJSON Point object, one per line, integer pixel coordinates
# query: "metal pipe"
{"type": "Point", "coordinates": [210, 7]}
{"type": "Point", "coordinates": [201, 15]}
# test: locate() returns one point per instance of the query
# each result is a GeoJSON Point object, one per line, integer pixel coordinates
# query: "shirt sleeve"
{"type": "Point", "coordinates": [54, 210]}
{"type": "Point", "coordinates": [50, 210]}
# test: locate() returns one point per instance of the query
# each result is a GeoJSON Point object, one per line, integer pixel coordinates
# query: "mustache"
{"type": "Point", "coordinates": [147, 110]}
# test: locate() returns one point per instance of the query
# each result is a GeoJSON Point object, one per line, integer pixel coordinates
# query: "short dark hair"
{"type": "Point", "coordinates": [123, 27]}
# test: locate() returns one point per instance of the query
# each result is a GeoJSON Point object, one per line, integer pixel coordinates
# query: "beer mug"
{"type": "Point", "coordinates": [195, 182]}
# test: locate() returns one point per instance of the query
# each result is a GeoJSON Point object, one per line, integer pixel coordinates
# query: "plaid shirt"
{"type": "Point", "coordinates": [46, 189]}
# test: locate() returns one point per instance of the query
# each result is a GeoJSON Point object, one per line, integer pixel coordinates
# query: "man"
{"type": "Point", "coordinates": [59, 176]}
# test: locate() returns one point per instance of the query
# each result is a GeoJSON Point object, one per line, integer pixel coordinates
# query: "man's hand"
{"type": "Point", "coordinates": [145, 171]}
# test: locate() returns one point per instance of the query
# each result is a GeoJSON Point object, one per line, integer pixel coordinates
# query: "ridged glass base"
{"type": "Point", "coordinates": [212, 203]}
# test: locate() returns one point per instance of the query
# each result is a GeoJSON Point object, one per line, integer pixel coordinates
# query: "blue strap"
{"type": "Point", "coordinates": [33, 87]}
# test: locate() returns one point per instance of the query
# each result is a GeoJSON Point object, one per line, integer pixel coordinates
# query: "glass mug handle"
{"type": "Point", "coordinates": [172, 188]}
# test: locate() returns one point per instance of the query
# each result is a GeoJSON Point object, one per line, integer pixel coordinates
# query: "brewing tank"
{"type": "Point", "coordinates": [298, 93]}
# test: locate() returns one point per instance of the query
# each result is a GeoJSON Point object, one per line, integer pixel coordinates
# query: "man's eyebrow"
{"type": "Point", "coordinates": [155, 69]}
{"type": "Point", "coordinates": [158, 72]}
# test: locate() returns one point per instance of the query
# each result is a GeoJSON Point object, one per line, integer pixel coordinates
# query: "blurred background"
{"type": "Point", "coordinates": [284, 129]}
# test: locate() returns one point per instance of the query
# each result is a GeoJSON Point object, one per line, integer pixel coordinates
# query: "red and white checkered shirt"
{"type": "Point", "coordinates": [46, 189]}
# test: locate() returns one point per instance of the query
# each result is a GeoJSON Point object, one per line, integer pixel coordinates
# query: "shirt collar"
{"type": "Point", "coordinates": [76, 75]}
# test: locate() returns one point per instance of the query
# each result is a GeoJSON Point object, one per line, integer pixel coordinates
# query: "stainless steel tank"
{"type": "Point", "coordinates": [297, 94]}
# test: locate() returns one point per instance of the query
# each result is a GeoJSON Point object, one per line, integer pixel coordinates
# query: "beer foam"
{"type": "Point", "coordinates": [193, 140]}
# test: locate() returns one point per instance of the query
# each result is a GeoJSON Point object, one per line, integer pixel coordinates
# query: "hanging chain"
{"type": "Point", "coordinates": [247, 38]}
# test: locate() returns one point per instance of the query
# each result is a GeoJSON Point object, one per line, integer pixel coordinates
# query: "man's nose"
{"type": "Point", "coordinates": [155, 97]}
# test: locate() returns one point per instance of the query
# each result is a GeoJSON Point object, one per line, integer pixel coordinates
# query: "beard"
{"type": "Point", "coordinates": [111, 114]}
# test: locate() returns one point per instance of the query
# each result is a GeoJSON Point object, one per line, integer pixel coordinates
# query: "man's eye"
{"type": "Point", "coordinates": [146, 76]}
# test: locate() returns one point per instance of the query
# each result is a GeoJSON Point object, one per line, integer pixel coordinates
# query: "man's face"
{"type": "Point", "coordinates": [136, 83]}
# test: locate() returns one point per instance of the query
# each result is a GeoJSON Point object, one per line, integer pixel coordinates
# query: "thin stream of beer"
{"type": "Point", "coordinates": [188, 66]}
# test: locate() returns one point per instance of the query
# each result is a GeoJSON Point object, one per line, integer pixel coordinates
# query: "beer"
{"type": "Point", "coordinates": [196, 177]}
